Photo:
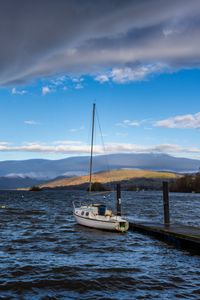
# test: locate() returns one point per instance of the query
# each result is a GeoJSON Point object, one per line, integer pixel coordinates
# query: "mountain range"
{"type": "Point", "coordinates": [24, 173]}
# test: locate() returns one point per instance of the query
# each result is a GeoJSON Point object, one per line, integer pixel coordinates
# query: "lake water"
{"type": "Point", "coordinates": [45, 255]}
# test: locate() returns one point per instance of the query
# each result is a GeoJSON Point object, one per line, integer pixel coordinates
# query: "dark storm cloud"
{"type": "Point", "coordinates": [48, 37]}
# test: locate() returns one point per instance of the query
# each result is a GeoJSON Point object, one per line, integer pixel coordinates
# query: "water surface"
{"type": "Point", "coordinates": [45, 255]}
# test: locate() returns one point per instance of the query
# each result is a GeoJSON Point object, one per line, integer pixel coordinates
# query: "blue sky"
{"type": "Point", "coordinates": [143, 73]}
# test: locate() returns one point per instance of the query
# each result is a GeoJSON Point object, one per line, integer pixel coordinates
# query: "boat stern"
{"type": "Point", "coordinates": [122, 226]}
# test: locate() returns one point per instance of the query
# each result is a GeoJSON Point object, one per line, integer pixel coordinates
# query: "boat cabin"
{"type": "Point", "coordinates": [102, 210]}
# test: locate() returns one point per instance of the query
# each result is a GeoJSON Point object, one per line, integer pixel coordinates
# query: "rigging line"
{"type": "Point", "coordinates": [92, 144]}
{"type": "Point", "coordinates": [107, 194]}
{"type": "Point", "coordinates": [88, 153]}
{"type": "Point", "coordinates": [102, 140]}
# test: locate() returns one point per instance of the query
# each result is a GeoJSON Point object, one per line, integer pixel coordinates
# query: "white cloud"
{"type": "Point", "coordinates": [130, 74]}
{"type": "Point", "coordinates": [102, 78]}
{"type": "Point", "coordinates": [15, 91]}
{"type": "Point", "coordinates": [77, 79]}
{"type": "Point", "coordinates": [46, 90]}
{"type": "Point", "coordinates": [3, 145]}
{"type": "Point", "coordinates": [77, 129]}
{"type": "Point", "coordinates": [78, 86]}
{"type": "Point", "coordinates": [128, 123]}
{"type": "Point", "coordinates": [77, 82]}
{"type": "Point", "coordinates": [102, 135]}
{"type": "Point", "coordinates": [31, 122]}
{"type": "Point", "coordinates": [122, 134]}
{"type": "Point", "coordinates": [62, 83]}
{"type": "Point", "coordinates": [78, 148]}
{"type": "Point", "coordinates": [58, 81]}
{"type": "Point", "coordinates": [68, 142]}
{"type": "Point", "coordinates": [180, 121]}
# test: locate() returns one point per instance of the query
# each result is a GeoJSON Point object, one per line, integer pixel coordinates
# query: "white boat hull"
{"type": "Point", "coordinates": [102, 224]}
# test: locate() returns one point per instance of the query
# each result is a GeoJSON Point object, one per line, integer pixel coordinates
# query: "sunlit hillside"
{"type": "Point", "coordinates": [112, 176]}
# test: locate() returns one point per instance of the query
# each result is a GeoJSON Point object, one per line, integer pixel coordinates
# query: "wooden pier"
{"type": "Point", "coordinates": [181, 236]}
{"type": "Point", "coordinates": [185, 237]}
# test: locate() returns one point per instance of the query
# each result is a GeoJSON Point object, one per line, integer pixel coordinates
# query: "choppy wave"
{"type": "Point", "coordinates": [45, 255]}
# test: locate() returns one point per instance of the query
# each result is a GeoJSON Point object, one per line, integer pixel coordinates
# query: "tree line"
{"type": "Point", "coordinates": [186, 184]}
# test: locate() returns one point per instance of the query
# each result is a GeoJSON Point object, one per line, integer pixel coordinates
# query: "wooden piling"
{"type": "Point", "coordinates": [119, 201]}
{"type": "Point", "coordinates": [181, 236]}
{"type": "Point", "coordinates": [166, 203]}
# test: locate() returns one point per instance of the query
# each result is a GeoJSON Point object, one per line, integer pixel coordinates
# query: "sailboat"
{"type": "Point", "coordinates": [97, 215]}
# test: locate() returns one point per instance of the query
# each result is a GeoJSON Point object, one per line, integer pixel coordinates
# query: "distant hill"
{"type": "Point", "coordinates": [127, 177]}
{"type": "Point", "coordinates": [45, 170]}
{"type": "Point", "coordinates": [15, 182]}
{"type": "Point", "coordinates": [10, 183]}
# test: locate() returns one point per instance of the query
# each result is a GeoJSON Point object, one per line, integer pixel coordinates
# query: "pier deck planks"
{"type": "Point", "coordinates": [187, 237]}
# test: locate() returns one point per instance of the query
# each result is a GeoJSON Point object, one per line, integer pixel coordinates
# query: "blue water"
{"type": "Point", "coordinates": [45, 255]}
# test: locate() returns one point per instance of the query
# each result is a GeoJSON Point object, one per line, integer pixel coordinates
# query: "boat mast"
{"type": "Point", "coordinates": [92, 144]}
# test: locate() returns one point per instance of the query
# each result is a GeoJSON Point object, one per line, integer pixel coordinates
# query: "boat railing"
{"type": "Point", "coordinates": [78, 203]}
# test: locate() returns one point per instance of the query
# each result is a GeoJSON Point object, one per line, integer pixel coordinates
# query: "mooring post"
{"type": "Point", "coordinates": [119, 201]}
{"type": "Point", "coordinates": [166, 203]}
